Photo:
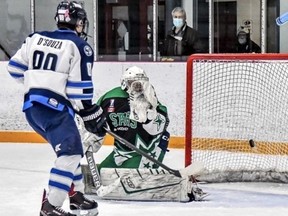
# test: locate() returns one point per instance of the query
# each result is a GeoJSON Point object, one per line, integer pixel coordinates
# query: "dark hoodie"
{"type": "Point", "coordinates": [249, 47]}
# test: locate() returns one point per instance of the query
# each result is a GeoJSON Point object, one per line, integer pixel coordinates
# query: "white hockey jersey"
{"type": "Point", "coordinates": [56, 69]}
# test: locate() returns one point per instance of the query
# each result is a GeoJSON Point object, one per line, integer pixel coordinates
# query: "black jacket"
{"type": "Point", "coordinates": [188, 45]}
{"type": "Point", "coordinates": [249, 47]}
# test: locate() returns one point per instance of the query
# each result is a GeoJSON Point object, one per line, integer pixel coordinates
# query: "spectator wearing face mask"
{"type": "Point", "coordinates": [244, 42]}
{"type": "Point", "coordinates": [181, 40]}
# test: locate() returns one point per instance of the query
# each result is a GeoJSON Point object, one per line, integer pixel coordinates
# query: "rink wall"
{"type": "Point", "coordinates": [168, 79]}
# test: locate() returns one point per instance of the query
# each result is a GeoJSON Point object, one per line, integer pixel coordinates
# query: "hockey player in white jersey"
{"type": "Point", "coordinates": [56, 69]}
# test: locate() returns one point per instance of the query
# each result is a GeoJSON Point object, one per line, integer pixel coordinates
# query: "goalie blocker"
{"type": "Point", "coordinates": [144, 185]}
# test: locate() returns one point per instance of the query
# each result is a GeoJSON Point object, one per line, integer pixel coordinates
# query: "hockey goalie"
{"type": "Point", "coordinates": [134, 113]}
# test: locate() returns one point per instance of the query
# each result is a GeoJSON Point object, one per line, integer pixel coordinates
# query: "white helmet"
{"type": "Point", "coordinates": [132, 74]}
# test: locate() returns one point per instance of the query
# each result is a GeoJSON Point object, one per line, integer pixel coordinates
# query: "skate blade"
{"type": "Point", "coordinates": [201, 197]}
{"type": "Point", "coordinates": [90, 212]}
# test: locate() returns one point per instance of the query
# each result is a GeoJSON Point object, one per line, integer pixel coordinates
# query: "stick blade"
{"type": "Point", "coordinates": [196, 168]}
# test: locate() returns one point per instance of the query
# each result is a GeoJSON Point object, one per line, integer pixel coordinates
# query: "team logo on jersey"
{"type": "Point", "coordinates": [158, 121]}
{"type": "Point", "coordinates": [88, 51]}
{"type": "Point", "coordinates": [111, 107]}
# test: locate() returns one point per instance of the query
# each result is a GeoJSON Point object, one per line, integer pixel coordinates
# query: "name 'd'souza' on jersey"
{"type": "Point", "coordinates": [56, 69]}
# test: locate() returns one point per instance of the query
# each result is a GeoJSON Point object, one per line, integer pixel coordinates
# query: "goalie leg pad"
{"type": "Point", "coordinates": [146, 185]}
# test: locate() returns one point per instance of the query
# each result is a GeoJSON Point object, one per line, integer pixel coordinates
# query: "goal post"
{"type": "Point", "coordinates": [237, 116]}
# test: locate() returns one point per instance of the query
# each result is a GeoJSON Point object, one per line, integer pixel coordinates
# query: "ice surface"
{"type": "Point", "coordinates": [25, 169]}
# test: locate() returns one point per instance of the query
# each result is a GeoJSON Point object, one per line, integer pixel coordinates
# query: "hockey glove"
{"type": "Point", "coordinates": [94, 120]}
{"type": "Point", "coordinates": [88, 139]}
{"type": "Point", "coordinates": [164, 141]}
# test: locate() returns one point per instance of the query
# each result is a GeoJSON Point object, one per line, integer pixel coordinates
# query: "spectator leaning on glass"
{"type": "Point", "coordinates": [181, 40]}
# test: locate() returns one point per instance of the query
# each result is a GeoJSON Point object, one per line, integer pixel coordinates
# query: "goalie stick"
{"type": "Point", "coordinates": [100, 189]}
{"type": "Point", "coordinates": [190, 170]}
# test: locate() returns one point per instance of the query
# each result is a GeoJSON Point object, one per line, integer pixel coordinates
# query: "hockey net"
{"type": "Point", "coordinates": [237, 116]}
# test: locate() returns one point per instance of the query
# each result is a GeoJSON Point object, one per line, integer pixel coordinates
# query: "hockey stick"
{"type": "Point", "coordinates": [192, 169]}
{"type": "Point", "coordinates": [100, 190]}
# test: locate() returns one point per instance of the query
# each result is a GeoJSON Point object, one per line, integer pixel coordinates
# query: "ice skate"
{"type": "Point", "coordinates": [49, 210]}
{"type": "Point", "coordinates": [80, 205]}
{"type": "Point", "coordinates": [197, 194]}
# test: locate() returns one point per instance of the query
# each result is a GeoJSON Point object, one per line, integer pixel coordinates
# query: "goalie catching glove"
{"type": "Point", "coordinates": [143, 101]}
{"type": "Point", "coordinates": [94, 120]}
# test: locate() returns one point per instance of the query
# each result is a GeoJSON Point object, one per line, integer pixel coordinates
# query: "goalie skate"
{"type": "Point", "coordinates": [197, 194]}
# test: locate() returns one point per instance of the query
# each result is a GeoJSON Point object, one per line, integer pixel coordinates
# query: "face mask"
{"type": "Point", "coordinates": [178, 22]}
{"type": "Point", "coordinates": [242, 40]}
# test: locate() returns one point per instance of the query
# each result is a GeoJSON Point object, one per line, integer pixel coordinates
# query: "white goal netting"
{"type": "Point", "coordinates": [232, 99]}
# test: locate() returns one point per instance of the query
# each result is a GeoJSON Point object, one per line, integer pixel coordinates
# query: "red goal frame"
{"type": "Point", "coordinates": [189, 87]}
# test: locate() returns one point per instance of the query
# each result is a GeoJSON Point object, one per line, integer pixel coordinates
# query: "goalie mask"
{"type": "Point", "coordinates": [142, 97]}
{"type": "Point", "coordinates": [130, 75]}
{"type": "Point", "coordinates": [71, 15]}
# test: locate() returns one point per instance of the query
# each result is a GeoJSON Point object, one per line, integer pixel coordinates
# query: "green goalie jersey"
{"type": "Point", "coordinates": [150, 136]}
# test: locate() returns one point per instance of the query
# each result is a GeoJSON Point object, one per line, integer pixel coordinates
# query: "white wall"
{"type": "Point", "coordinates": [167, 78]}
{"type": "Point", "coordinates": [283, 29]}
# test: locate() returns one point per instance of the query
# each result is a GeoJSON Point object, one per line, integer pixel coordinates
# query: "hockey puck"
{"type": "Point", "coordinates": [251, 143]}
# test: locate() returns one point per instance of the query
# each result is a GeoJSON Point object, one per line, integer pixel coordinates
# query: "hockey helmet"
{"type": "Point", "coordinates": [132, 74]}
{"type": "Point", "coordinates": [71, 14]}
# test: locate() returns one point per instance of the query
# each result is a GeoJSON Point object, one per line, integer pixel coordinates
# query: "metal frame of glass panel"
{"type": "Point", "coordinates": [94, 24]}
